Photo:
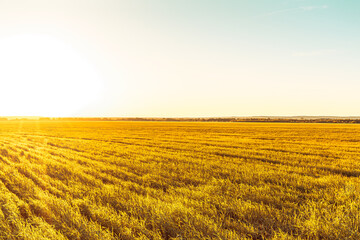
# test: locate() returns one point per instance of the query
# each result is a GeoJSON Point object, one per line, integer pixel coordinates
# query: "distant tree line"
{"type": "Point", "coordinates": [210, 119]}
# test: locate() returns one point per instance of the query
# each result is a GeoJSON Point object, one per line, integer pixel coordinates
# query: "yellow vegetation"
{"type": "Point", "coordinates": [162, 180]}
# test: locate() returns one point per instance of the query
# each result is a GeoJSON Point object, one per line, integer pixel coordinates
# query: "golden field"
{"type": "Point", "coordinates": [167, 180]}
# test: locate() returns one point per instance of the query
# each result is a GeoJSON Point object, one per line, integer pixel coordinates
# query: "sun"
{"type": "Point", "coordinates": [43, 76]}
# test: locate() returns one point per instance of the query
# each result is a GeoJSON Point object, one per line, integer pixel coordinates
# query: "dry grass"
{"type": "Point", "coordinates": [151, 180]}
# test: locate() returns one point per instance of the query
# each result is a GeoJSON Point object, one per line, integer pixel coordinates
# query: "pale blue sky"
{"type": "Point", "coordinates": [181, 58]}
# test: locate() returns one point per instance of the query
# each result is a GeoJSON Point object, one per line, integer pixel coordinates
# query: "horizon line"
{"type": "Point", "coordinates": [197, 117]}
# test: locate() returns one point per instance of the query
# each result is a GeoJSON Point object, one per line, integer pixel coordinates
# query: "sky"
{"type": "Point", "coordinates": [180, 58]}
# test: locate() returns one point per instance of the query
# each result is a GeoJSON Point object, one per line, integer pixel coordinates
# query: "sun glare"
{"type": "Point", "coordinates": [43, 76]}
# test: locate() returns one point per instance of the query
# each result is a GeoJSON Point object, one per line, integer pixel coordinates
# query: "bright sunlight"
{"type": "Point", "coordinates": [41, 75]}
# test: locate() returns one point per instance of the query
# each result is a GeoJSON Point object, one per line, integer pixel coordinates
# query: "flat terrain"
{"type": "Point", "coordinates": [162, 180]}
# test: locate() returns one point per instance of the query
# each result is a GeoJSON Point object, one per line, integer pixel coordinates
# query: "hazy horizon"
{"type": "Point", "coordinates": [200, 117]}
{"type": "Point", "coordinates": [179, 58]}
